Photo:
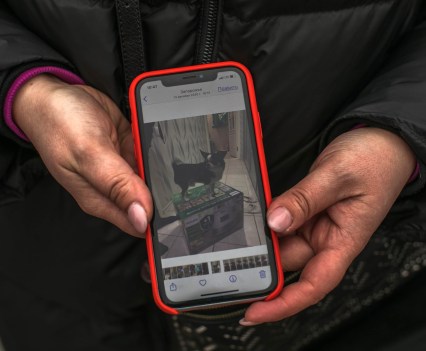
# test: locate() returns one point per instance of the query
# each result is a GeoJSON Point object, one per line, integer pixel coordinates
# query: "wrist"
{"type": "Point", "coordinates": [31, 99]}
{"type": "Point", "coordinates": [25, 95]}
{"type": "Point", "coordinates": [376, 158]}
{"type": "Point", "coordinates": [393, 149]}
{"type": "Point", "coordinates": [416, 170]}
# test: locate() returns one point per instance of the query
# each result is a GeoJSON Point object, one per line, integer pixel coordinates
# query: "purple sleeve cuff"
{"type": "Point", "coordinates": [358, 126]}
{"type": "Point", "coordinates": [415, 173]}
{"type": "Point", "coordinates": [61, 73]}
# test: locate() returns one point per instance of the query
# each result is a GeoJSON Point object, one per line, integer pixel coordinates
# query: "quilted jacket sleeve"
{"type": "Point", "coordinates": [395, 99]}
{"type": "Point", "coordinates": [20, 50]}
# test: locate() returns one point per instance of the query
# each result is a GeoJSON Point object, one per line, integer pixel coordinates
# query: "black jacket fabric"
{"type": "Point", "coordinates": [319, 66]}
{"type": "Point", "coordinates": [315, 64]}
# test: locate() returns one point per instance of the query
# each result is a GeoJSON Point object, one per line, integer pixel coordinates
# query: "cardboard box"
{"type": "Point", "coordinates": [208, 219]}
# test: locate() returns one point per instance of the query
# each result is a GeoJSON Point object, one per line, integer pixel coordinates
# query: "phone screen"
{"type": "Point", "coordinates": [210, 238]}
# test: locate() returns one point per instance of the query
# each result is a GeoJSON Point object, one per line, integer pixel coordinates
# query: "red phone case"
{"type": "Point", "coordinates": [262, 162]}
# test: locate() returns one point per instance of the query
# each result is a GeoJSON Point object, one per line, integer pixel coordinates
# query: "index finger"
{"type": "Point", "coordinates": [319, 277]}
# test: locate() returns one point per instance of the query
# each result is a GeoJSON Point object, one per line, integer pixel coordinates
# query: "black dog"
{"type": "Point", "coordinates": [207, 172]}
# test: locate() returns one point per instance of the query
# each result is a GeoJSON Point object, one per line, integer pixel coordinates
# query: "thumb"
{"type": "Point", "coordinates": [319, 190]}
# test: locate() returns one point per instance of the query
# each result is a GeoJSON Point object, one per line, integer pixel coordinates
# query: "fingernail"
{"type": "Point", "coordinates": [246, 323]}
{"type": "Point", "coordinates": [279, 219]}
{"type": "Point", "coordinates": [137, 216]}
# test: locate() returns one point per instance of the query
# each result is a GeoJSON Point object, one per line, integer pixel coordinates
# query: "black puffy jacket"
{"type": "Point", "coordinates": [319, 67]}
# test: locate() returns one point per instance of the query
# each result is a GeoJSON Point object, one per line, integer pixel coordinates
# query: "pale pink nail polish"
{"type": "Point", "coordinates": [137, 216]}
{"type": "Point", "coordinates": [245, 323]}
{"type": "Point", "coordinates": [280, 219]}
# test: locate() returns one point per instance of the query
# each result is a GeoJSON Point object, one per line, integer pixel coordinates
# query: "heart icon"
{"type": "Point", "coordinates": [203, 282]}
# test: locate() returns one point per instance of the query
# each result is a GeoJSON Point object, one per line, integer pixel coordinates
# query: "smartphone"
{"type": "Point", "coordinates": [198, 145]}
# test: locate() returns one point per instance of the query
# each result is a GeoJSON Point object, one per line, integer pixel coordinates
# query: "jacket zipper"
{"type": "Point", "coordinates": [211, 14]}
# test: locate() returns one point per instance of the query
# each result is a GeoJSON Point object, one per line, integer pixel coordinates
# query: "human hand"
{"type": "Point", "coordinates": [87, 145]}
{"type": "Point", "coordinates": [326, 220]}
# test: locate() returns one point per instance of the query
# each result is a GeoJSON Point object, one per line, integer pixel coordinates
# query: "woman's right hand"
{"type": "Point", "coordinates": [87, 145]}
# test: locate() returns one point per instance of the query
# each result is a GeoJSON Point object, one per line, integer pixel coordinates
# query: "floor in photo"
{"type": "Point", "coordinates": [235, 175]}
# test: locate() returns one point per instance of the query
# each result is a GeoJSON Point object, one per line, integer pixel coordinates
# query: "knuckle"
{"type": "Point", "coordinates": [302, 200]}
{"type": "Point", "coordinates": [342, 169]}
{"type": "Point", "coordinates": [120, 187]}
{"type": "Point", "coordinates": [86, 151]}
{"type": "Point", "coordinates": [351, 176]}
{"type": "Point", "coordinates": [315, 293]}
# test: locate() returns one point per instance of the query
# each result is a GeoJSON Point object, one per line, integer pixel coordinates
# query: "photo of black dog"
{"type": "Point", "coordinates": [207, 172]}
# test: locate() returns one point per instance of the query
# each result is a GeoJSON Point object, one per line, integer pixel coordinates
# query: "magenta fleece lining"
{"type": "Point", "coordinates": [60, 73]}
{"type": "Point", "coordinates": [415, 173]}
